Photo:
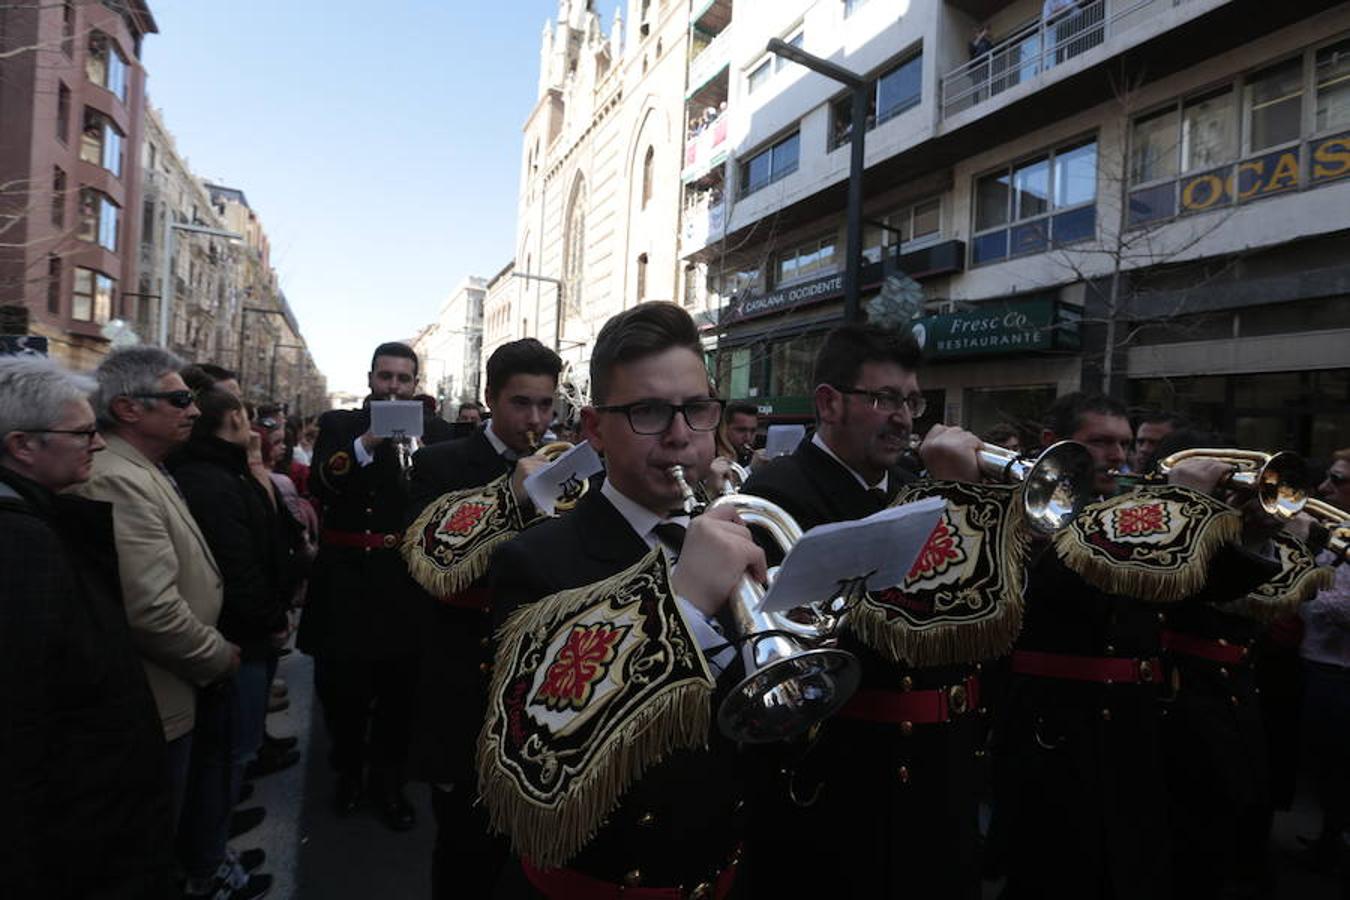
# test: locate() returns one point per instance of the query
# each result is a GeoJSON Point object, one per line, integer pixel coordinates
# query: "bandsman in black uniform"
{"type": "Point", "coordinates": [522, 381]}
{"type": "Point", "coordinates": [885, 804]}
{"type": "Point", "coordinates": [675, 809]}
{"type": "Point", "coordinates": [361, 621]}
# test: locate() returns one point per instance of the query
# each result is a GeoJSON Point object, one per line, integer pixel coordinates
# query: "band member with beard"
{"type": "Point", "coordinates": [361, 622]}
{"type": "Point", "coordinates": [893, 778]}
{"type": "Point", "coordinates": [522, 380]}
{"type": "Point", "coordinates": [676, 828]}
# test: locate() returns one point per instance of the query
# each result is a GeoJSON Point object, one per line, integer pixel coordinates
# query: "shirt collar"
{"type": "Point", "coordinates": [641, 519]}
{"type": "Point", "coordinates": [881, 485]}
{"type": "Point", "coordinates": [498, 445]}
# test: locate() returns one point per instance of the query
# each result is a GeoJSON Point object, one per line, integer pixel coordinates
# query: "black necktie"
{"type": "Point", "coordinates": [672, 535]}
{"type": "Point", "coordinates": [878, 497]}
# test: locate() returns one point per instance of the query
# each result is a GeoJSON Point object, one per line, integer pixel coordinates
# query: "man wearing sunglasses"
{"type": "Point", "coordinates": [896, 786]}
{"type": "Point", "coordinates": [170, 580]}
{"type": "Point", "coordinates": [680, 823]}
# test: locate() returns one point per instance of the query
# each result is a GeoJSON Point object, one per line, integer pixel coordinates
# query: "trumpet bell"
{"type": "Point", "coordinates": [784, 698]}
{"type": "Point", "coordinates": [1058, 485]}
{"type": "Point", "coordinates": [1281, 485]}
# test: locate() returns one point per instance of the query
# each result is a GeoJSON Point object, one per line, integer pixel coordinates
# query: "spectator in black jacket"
{"type": "Point", "coordinates": [238, 518]}
{"type": "Point", "coordinates": [84, 790]}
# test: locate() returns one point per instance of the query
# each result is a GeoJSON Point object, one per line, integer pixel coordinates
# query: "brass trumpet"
{"type": "Point", "coordinates": [551, 451]}
{"type": "Point", "coordinates": [1277, 479]}
{"type": "Point", "coordinates": [1337, 523]}
{"type": "Point", "coordinates": [795, 676]}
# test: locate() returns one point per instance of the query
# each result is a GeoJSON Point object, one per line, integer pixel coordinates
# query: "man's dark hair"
{"type": "Point", "coordinates": [644, 330]}
{"type": "Point", "coordinates": [1066, 414]}
{"type": "Point", "coordinates": [523, 357]}
{"type": "Point", "coordinates": [847, 348]}
{"type": "Point", "coordinates": [1158, 417]}
{"type": "Point", "coordinates": [1001, 432]}
{"type": "Point", "coordinates": [740, 408]}
{"type": "Point", "coordinates": [215, 403]}
{"type": "Point", "coordinates": [219, 373]}
{"type": "Point", "coordinates": [197, 378]}
{"type": "Point", "coordinates": [394, 348]}
{"type": "Point", "coordinates": [270, 410]}
{"type": "Point", "coordinates": [470, 404]}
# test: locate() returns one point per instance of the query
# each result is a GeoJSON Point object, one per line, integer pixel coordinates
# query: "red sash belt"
{"type": "Point", "coordinates": [1214, 651]}
{"type": "Point", "coordinates": [569, 884]}
{"type": "Point", "coordinates": [477, 599]}
{"type": "Point", "coordinates": [361, 540]}
{"type": "Point", "coordinates": [926, 707]}
{"type": "Point", "coordinates": [1103, 669]}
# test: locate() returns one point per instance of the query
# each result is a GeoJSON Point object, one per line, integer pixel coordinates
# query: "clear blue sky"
{"type": "Point", "coordinates": [378, 141]}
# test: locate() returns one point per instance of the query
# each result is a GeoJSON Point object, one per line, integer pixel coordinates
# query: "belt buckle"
{"type": "Point", "coordinates": [1145, 671]}
{"type": "Point", "coordinates": [389, 540]}
{"type": "Point", "coordinates": [957, 700]}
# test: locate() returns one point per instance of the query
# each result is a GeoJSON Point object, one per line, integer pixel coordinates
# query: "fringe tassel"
{"type": "Point", "coordinates": [678, 718]}
{"type": "Point", "coordinates": [464, 565]}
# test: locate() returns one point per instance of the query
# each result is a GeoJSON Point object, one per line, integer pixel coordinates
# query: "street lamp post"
{"type": "Point", "coordinates": [166, 267]}
{"type": "Point", "coordinates": [558, 311]}
{"type": "Point", "coordinates": [861, 89]}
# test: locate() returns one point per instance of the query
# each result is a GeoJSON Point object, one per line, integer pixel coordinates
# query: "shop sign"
{"type": "Point", "coordinates": [803, 293]}
{"type": "Point", "coordinates": [1273, 173]}
{"type": "Point", "coordinates": [1013, 326]}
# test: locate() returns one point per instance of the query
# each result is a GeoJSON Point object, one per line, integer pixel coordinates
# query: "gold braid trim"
{"type": "Point", "coordinates": [675, 716]}
{"type": "Point", "coordinates": [1166, 567]}
{"type": "Point", "coordinates": [903, 638]}
{"type": "Point", "coordinates": [1299, 579]}
{"type": "Point", "coordinates": [450, 544]}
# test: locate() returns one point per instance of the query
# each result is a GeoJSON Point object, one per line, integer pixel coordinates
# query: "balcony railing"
{"type": "Point", "coordinates": [705, 149]}
{"type": "Point", "coordinates": [715, 55]}
{"type": "Point", "coordinates": [1037, 47]}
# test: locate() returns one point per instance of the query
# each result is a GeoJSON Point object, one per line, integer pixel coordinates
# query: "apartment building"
{"type": "Point", "coordinates": [1142, 196]}
{"type": "Point", "coordinates": [500, 320]}
{"type": "Point", "coordinates": [450, 350]}
{"type": "Point", "coordinates": [72, 100]}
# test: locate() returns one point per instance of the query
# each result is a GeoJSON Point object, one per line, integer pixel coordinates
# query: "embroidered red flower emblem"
{"type": "Point", "coordinates": [941, 550]}
{"type": "Point", "coordinates": [464, 518]}
{"type": "Point", "coordinates": [582, 662]}
{"type": "Point", "coordinates": [1140, 520]}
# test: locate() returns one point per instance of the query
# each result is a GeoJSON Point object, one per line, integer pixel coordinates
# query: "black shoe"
{"type": "Point", "coordinates": [247, 819]}
{"type": "Point", "coordinates": [271, 759]}
{"type": "Point", "coordinates": [245, 791]}
{"type": "Point", "coordinates": [255, 888]}
{"type": "Point", "coordinates": [348, 797]}
{"type": "Point", "coordinates": [396, 811]}
{"type": "Point", "coordinates": [281, 743]}
{"type": "Point", "coordinates": [250, 860]}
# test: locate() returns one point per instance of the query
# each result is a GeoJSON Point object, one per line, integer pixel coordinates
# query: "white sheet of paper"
{"type": "Point", "coordinates": [546, 486]}
{"type": "Point", "coordinates": [783, 439]}
{"type": "Point", "coordinates": [882, 547]}
{"type": "Point", "coordinates": [391, 417]}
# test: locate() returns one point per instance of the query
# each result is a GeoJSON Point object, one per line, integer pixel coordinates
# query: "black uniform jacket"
{"type": "Point", "coordinates": [244, 531]}
{"type": "Point", "coordinates": [679, 824]}
{"type": "Point", "coordinates": [456, 644]}
{"type": "Point", "coordinates": [84, 792]}
{"type": "Point", "coordinates": [361, 603]}
{"type": "Point", "coordinates": [1082, 801]}
{"type": "Point", "coordinates": [901, 808]}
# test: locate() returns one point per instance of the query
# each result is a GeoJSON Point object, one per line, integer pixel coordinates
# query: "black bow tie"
{"type": "Point", "coordinates": [671, 534]}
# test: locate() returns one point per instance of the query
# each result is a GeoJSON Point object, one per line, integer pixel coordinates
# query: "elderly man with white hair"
{"type": "Point", "coordinates": [86, 807]}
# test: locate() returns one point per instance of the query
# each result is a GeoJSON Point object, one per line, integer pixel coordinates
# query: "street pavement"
{"type": "Point", "coordinates": [315, 855]}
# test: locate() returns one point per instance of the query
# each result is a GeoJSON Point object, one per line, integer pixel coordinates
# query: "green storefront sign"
{"type": "Point", "coordinates": [1010, 326]}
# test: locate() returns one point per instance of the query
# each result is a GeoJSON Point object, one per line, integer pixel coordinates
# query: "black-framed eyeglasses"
{"type": "Point", "coordinates": [87, 433]}
{"type": "Point", "coordinates": [655, 416]}
{"type": "Point", "coordinates": [1337, 478]}
{"type": "Point", "coordinates": [176, 399]}
{"type": "Point", "coordinates": [889, 402]}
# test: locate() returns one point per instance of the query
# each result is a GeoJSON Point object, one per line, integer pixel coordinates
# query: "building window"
{"type": "Point", "coordinates": [805, 261]}
{"type": "Point", "coordinates": [92, 297]}
{"type": "Point", "coordinates": [690, 285]}
{"type": "Point", "coordinates": [759, 75]}
{"type": "Point", "coordinates": [101, 142]}
{"type": "Point", "coordinates": [1272, 104]}
{"type": "Point", "coordinates": [53, 284]}
{"type": "Point", "coordinates": [641, 277]}
{"type": "Point", "coordinates": [910, 227]}
{"type": "Point", "coordinates": [63, 113]}
{"type": "Point", "coordinates": [105, 66]}
{"type": "Point", "coordinates": [1046, 201]}
{"type": "Point", "coordinates": [1331, 73]}
{"type": "Point", "coordinates": [897, 90]}
{"type": "Point", "coordinates": [574, 252]}
{"type": "Point", "coordinates": [796, 41]}
{"type": "Point", "coordinates": [740, 281]}
{"type": "Point", "coordinates": [148, 222]}
{"type": "Point", "coordinates": [852, 6]}
{"type": "Point", "coordinates": [68, 28]}
{"type": "Point", "coordinates": [771, 164]}
{"type": "Point", "coordinates": [100, 219]}
{"type": "Point", "coordinates": [648, 163]}
{"type": "Point", "coordinates": [58, 197]}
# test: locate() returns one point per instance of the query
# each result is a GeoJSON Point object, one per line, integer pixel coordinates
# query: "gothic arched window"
{"type": "Point", "coordinates": [648, 162]}
{"type": "Point", "coordinates": [574, 248]}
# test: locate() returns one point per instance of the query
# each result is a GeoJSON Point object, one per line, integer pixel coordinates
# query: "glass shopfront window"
{"type": "Point", "coordinates": [1022, 407]}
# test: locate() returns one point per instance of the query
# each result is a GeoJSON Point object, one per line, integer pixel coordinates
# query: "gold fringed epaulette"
{"type": "Point", "coordinates": [1299, 578]}
{"type": "Point", "coordinates": [591, 687]}
{"type": "Point", "coordinates": [962, 598]}
{"type": "Point", "coordinates": [1154, 544]}
{"type": "Point", "coordinates": [449, 546]}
